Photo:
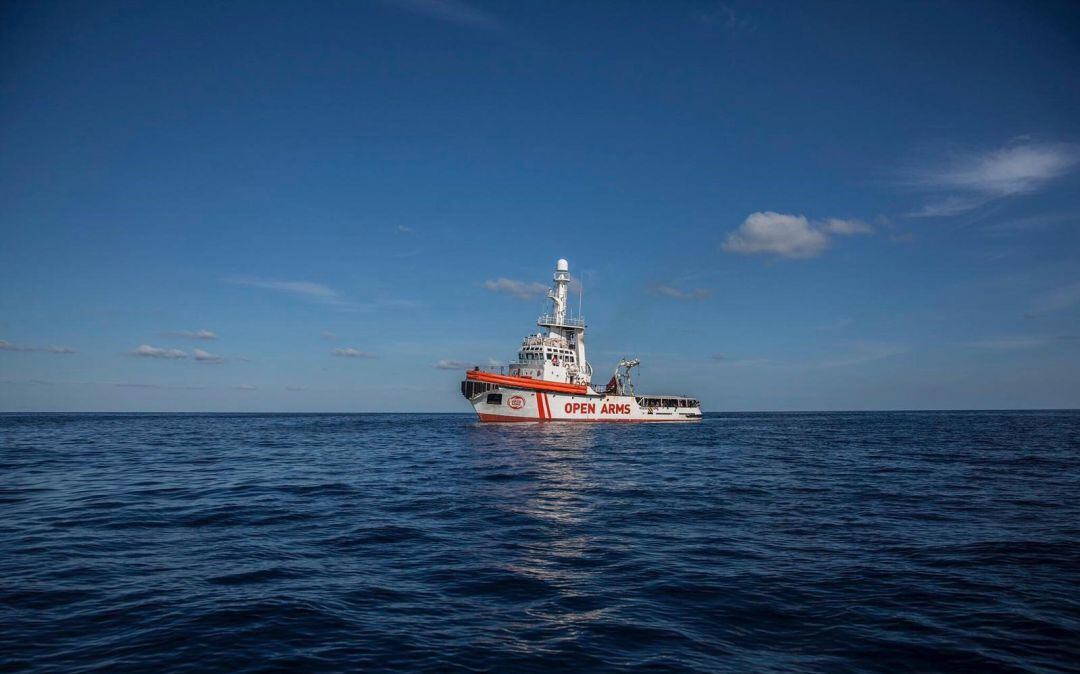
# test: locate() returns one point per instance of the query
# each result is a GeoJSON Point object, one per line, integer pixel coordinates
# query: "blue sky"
{"type": "Point", "coordinates": [331, 206]}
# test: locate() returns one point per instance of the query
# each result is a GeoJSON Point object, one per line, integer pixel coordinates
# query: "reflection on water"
{"type": "Point", "coordinates": [532, 436]}
{"type": "Point", "coordinates": [555, 460]}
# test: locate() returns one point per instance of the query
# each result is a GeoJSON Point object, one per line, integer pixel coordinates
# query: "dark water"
{"type": "Point", "coordinates": [770, 542]}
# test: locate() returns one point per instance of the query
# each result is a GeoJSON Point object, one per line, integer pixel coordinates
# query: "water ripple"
{"type": "Point", "coordinates": [748, 542]}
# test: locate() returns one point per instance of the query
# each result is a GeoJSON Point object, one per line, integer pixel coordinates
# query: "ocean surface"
{"type": "Point", "coordinates": [748, 542]}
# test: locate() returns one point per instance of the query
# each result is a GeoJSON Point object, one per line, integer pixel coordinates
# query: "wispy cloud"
{"type": "Point", "coordinates": [519, 289]}
{"type": "Point", "coordinates": [860, 353]}
{"type": "Point", "coordinates": [948, 206]}
{"type": "Point", "coordinates": [976, 178]}
{"type": "Point", "coordinates": [723, 15]}
{"type": "Point", "coordinates": [1010, 343]}
{"type": "Point", "coordinates": [158, 386]}
{"type": "Point", "coordinates": [1059, 298]}
{"type": "Point", "coordinates": [352, 353]}
{"type": "Point", "coordinates": [446, 364]}
{"type": "Point", "coordinates": [847, 227]}
{"type": "Point", "coordinates": [838, 324]}
{"type": "Point", "coordinates": [193, 334]}
{"type": "Point", "coordinates": [680, 294]}
{"type": "Point", "coordinates": [59, 350]}
{"type": "Point", "coordinates": [844, 355]}
{"type": "Point", "coordinates": [308, 290]}
{"type": "Point", "coordinates": [327, 335]}
{"type": "Point", "coordinates": [28, 382]}
{"type": "Point", "coordinates": [147, 351]}
{"type": "Point", "coordinates": [451, 11]}
{"type": "Point", "coordinates": [1017, 225]}
{"type": "Point", "coordinates": [739, 362]}
{"type": "Point", "coordinates": [403, 229]}
{"type": "Point", "coordinates": [207, 357]}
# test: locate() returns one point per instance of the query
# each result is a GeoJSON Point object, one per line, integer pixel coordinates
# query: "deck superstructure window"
{"type": "Point", "coordinates": [494, 399]}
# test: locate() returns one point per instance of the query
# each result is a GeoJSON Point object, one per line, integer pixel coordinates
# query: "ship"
{"type": "Point", "coordinates": [552, 380]}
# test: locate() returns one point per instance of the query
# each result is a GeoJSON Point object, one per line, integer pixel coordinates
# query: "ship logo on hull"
{"type": "Point", "coordinates": [516, 402]}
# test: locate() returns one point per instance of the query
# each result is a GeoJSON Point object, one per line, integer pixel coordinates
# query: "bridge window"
{"type": "Point", "coordinates": [494, 399]}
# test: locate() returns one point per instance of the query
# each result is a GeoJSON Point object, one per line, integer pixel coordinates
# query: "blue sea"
{"type": "Point", "coordinates": [853, 542]}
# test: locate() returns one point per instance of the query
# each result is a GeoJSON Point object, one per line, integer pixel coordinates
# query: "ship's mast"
{"type": "Point", "coordinates": [562, 285]}
{"type": "Point", "coordinates": [570, 329]}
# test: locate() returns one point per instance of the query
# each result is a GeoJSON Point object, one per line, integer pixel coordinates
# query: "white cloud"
{"type": "Point", "coordinates": [976, 178]}
{"type": "Point", "coordinates": [679, 294]}
{"type": "Point", "coordinates": [352, 353]}
{"type": "Point", "coordinates": [446, 364]}
{"type": "Point", "coordinates": [789, 236]}
{"type": "Point", "coordinates": [451, 11]}
{"type": "Point", "coordinates": [60, 350]}
{"type": "Point", "coordinates": [314, 292]}
{"type": "Point", "coordinates": [147, 351]}
{"type": "Point", "coordinates": [207, 357]}
{"type": "Point", "coordinates": [519, 289]}
{"type": "Point", "coordinates": [402, 229]}
{"type": "Point", "coordinates": [846, 227]}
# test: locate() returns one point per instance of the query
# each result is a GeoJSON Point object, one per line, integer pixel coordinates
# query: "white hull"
{"type": "Point", "coordinates": [510, 404]}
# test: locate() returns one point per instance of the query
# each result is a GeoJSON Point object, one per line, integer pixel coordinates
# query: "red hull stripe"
{"type": "Point", "coordinates": [540, 406]}
{"type": "Point", "coordinates": [526, 383]}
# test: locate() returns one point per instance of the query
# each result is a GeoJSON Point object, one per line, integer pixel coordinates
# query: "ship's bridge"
{"type": "Point", "coordinates": [557, 352]}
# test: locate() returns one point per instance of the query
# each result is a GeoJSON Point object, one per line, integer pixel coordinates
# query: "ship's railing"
{"type": "Point", "coordinates": [551, 319]}
{"type": "Point", "coordinates": [604, 389]}
{"type": "Point", "coordinates": [658, 401]}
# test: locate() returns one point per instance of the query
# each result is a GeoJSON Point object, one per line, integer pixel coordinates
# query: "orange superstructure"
{"type": "Point", "coordinates": [527, 383]}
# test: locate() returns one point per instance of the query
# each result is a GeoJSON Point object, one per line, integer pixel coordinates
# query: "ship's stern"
{"type": "Point", "coordinates": [496, 403]}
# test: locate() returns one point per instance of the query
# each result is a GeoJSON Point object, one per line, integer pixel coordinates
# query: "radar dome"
{"type": "Point", "coordinates": [562, 265]}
